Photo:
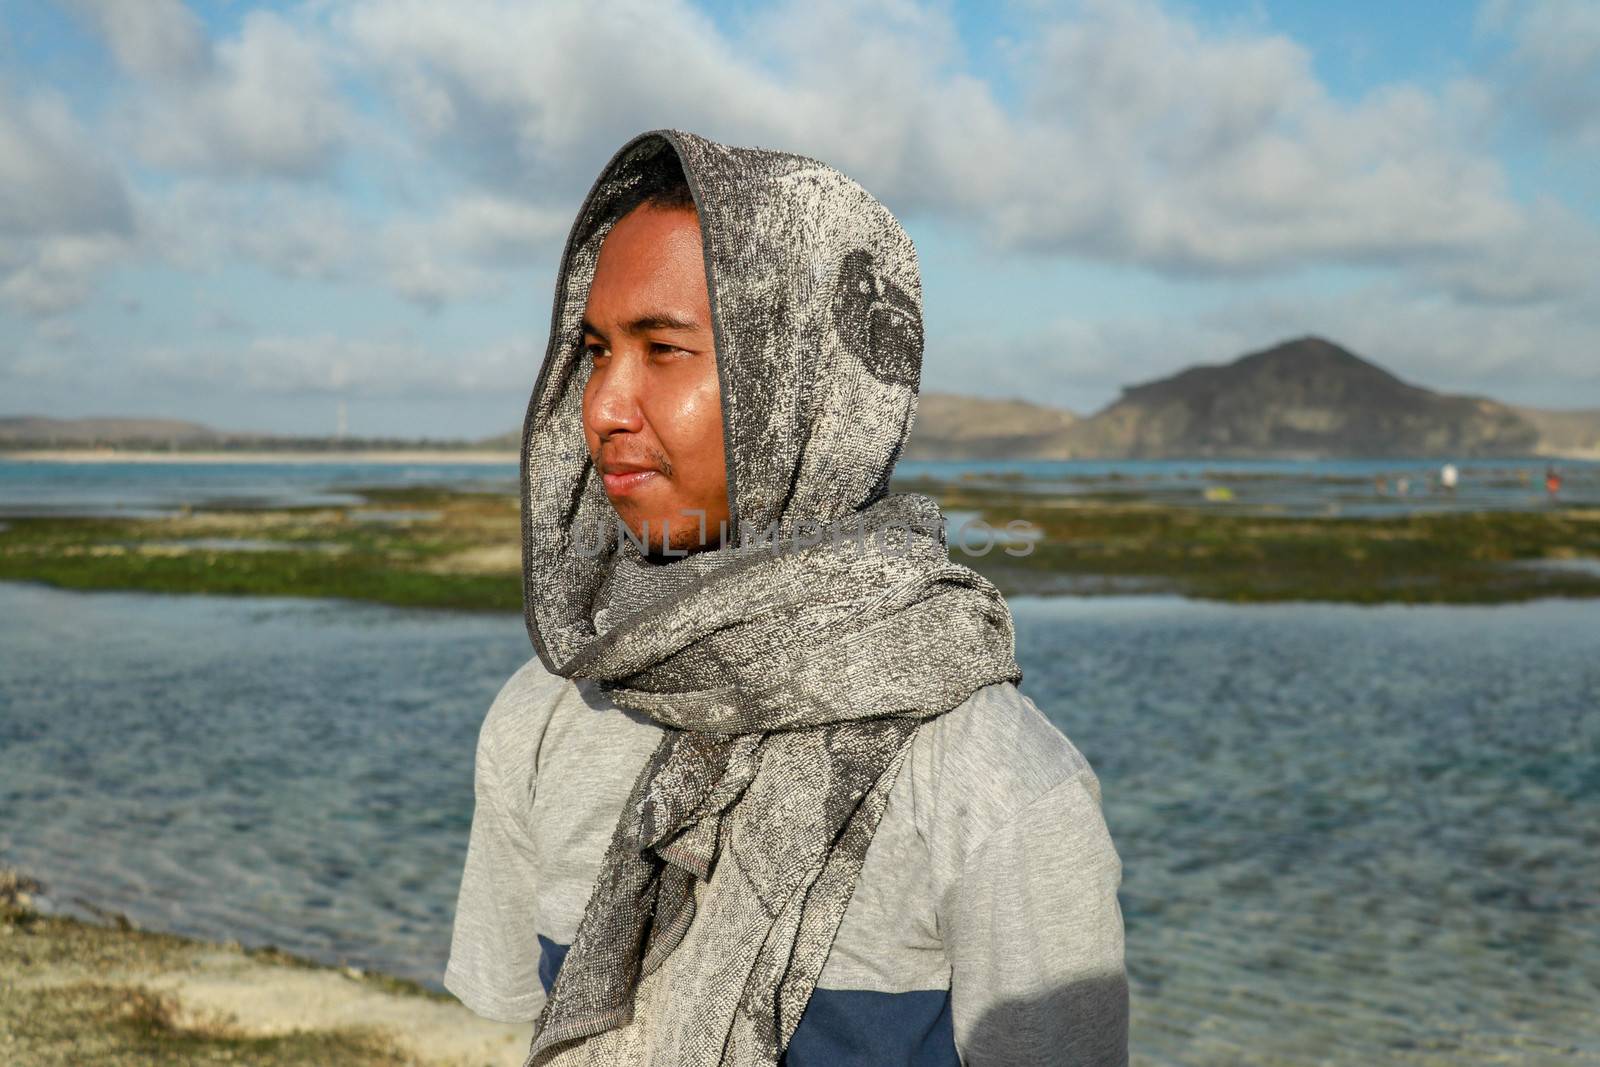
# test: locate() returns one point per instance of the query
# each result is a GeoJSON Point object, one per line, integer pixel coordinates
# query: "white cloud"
{"type": "Point", "coordinates": [416, 274]}
{"type": "Point", "coordinates": [499, 228]}
{"type": "Point", "coordinates": [59, 273]}
{"type": "Point", "coordinates": [53, 179]}
{"type": "Point", "coordinates": [522, 95]}
{"type": "Point", "coordinates": [1551, 256]}
{"type": "Point", "coordinates": [466, 249]}
{"type": "Point", "coordinates": [469, 249]}
{"type": "Point", "coordinates": [159, 40]}
{"type": "Point", "coordinates": [1141, 138]}
{"type": "Point", "coordinates": [331, 365]}
{"type": "Point", "coordinates": [296, 232]}
{"type": "Point", "coordinates": [261, 103]}
{"type": "Point", "coordinates": [1153, 143]}
{"type": "Point", "coordinates": [64, 212]}
{"type": "Point", "coordinates": [1552, 69]}
{"type": "Point", "coordinates": [60, 332]}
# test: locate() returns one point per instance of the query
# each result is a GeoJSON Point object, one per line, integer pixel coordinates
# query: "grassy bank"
{"type": "Point", "coordinates": [425, 547]}
{"type": "Point", "coordinates": [408, 547]}
{"type": "Point", "coordinates": [73, 992]}
{"type": "Point", "coordinates": [1441, 557]}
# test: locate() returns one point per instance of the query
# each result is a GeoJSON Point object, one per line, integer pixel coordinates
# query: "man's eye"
{"type": "Point", "coordinates": [661, 349]}
{"type": "Point", "coordinates": [594, 351]}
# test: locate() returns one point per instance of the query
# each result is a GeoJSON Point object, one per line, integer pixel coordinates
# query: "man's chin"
{"type": "Point", "coordinates": [684, 532]}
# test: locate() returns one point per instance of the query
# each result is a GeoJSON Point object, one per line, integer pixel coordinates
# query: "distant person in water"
{"type": "Point", "coordinates": [766, 795]}
{"type": "Point", "coordinates": [1552, 482]}
{"type": "Point", "coordinates": [1447, 478]}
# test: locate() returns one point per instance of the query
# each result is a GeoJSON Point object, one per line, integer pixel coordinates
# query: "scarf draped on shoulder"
{"type": "Point", "coordinates": [792, 667]}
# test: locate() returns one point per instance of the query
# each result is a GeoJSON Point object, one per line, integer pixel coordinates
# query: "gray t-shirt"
{"type": "Point", "coordinates": [984, 928]}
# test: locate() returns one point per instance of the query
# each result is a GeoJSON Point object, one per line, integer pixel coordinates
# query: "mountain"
{"type": "Point", "coordinates": [510, 440]}
{"type": "Point", "coordinates": [1566, 433]}
{"type": "Point", "coordinates": [973, 428]}
{"type": "Point", "coordinates": [70, 432]}
{"type": "Point", "coordinates": [1306, 397]}
{"type": "Point", "coordinates": [33, 432]}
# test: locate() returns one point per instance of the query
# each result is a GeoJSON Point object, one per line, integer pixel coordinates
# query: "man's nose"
{"type": "Point", "coordinates": [614, 395]}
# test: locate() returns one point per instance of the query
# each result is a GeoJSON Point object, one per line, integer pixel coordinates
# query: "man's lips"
{"type": "Point", "coordinates": [625, 482]}
{"type": "Point", "coordinates": [623, 478]}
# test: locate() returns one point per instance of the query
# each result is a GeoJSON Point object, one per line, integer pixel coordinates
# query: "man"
{"type": "Point", "coordinates": [769, 792]}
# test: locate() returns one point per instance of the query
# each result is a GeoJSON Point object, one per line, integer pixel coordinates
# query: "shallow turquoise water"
{"type": "Point", "coordinates": [1349, 835]}
{"type": "Point", "coordinates": [141, 490]}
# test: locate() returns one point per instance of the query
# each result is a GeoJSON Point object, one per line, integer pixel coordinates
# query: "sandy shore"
{"type": "Point", "coordinates": [85, 455]}
{"type": "Point", "coordinates": [73, 992]}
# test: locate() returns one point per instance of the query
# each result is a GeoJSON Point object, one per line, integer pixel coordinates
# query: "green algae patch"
{"type": "Point", "coordinates": [404, 554]}
{"type": "Point", "coordinates": [1461, 557]}
{"type": "Point", "coordinates": [431, 547]}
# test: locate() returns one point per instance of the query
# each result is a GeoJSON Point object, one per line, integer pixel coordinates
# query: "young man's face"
{"type": "Point", "coordinates": [652, 411]}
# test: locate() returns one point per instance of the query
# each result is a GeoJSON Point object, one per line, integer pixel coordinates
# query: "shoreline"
{"type": "Point", "coordinates": [115, 994]}
{"type": "Point", "coordinates": [484, 456]}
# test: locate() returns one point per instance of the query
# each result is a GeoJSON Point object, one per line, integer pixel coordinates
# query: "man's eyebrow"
{"type": "Point", "coordinates": [645, 323]}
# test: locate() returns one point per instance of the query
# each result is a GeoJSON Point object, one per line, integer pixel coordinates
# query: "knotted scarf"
{"type": "Point", "coordinates": [792, 667]}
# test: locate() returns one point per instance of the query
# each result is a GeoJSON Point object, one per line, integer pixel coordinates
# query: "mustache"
{"type": "Point", "coordinates": [650, 457]}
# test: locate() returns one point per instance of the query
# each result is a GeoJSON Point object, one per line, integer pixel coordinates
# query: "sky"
{"type": "Point", "coordinates": [248, 215]}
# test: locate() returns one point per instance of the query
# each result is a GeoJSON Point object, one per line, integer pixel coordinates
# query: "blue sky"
{"type": "Point", "coordinates": [246, 214]}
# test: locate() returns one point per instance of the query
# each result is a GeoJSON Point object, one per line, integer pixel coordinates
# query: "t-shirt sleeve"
{"type": "Point", "coordinates": [1035, 937]}
{"type": "Point", "coordinates": [494, 951]}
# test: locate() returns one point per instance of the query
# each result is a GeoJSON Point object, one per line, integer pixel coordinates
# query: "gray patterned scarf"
{"type": "Point", "coordinates": [793, 666]}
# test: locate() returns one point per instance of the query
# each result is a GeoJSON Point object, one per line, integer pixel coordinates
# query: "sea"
{"type": "Point", "coordinates": [1349, 834]}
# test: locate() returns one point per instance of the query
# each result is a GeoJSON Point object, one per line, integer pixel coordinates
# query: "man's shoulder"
{"type": "Point", "coordinates": [999, 734]}
{"type": "Point", "coordinates": [978, 765]}
{"type": "Point", "coordinates": [531, 681]}
{"type": "Point", "coordinates": [520, 712]}
{"type": "Point", "coordinates": [541, 721]}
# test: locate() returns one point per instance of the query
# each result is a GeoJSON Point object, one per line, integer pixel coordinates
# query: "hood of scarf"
{"type": "Point", "coordinates": [816, 314]}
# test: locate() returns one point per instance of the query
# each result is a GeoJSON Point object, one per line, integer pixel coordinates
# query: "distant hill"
{"type": "Point", "coordinates": [74, 432]}
{"type": "Point", "coordinates": [511, 439]}
{"type": "Point", "coordinates": [1306, 397]}
{"type": "Point", "coordinates": [973, 428]}
{"type": "Point", "coordinates": [32, 432]}
{"type": "Point", "coordinates": [1566, 433]}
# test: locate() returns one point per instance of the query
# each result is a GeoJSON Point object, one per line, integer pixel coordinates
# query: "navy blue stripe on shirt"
{"type": "Point", "coordinates": [551, 956]}
{"type": "Point", "coordinates": [865, 1028]}
{"type": "Point", "coordinates": [847, 1027]}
